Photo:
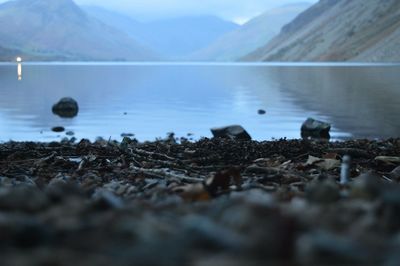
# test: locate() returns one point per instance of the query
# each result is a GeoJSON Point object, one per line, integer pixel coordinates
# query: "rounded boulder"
{"type": "Point", "coordinates": [66, 108]}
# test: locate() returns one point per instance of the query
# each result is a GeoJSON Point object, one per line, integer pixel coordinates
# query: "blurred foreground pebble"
{"type": "Point", "coordinates": [212, 202]}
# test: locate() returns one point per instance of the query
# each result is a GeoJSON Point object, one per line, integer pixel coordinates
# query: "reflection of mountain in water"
{"type": "Point", "coordinates": [183, 98]}
{"type": "Point", "coordinates": [361, 100]}
{"type": "Point", "coordinates": [30, 100]}
{"type": "Point", "coordinates": [157, 99]}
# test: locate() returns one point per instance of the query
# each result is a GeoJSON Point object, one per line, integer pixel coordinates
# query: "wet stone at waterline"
{"type": "Point", "coordinates": [234, 132]}
{"type": "Point", "coordinates": [312, 128]}
{"type": "Point", "coordinates": [66, 108]}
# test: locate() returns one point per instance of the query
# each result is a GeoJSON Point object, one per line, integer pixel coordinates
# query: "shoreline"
{"type": "Point", "coordinates": [209, 202]}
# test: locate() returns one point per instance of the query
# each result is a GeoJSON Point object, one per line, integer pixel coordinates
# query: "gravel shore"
{"type": "Point", "coordinates": [211, 202]}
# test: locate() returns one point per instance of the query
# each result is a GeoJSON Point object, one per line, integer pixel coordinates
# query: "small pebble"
{"type": "Point", "coordinates": [127, 135]}
{"type": "Point", "coordinates": [261, 112]}
{"type": "Point", "coordinates": [58, 129]}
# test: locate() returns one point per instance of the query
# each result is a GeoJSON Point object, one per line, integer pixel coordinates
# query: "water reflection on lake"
{"type": "Point", "coordinates": [150, 100]}
{"type": "Point", "coordinates": [19, 71]}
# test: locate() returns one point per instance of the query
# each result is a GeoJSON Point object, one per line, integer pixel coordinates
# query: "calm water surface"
{"type": "Point", "coordinates": [149, 100]}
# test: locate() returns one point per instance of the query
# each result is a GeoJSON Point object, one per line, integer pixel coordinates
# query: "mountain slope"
{"type": "Point", "coordinates": [180, 37]}
{"type": "Point", "coordinates": [60, 29]}
{"type": "Point", "coordinates": [252, 35]}
{"type": "Point", "coordinates": [116, 20]}
{"type": "Point", "coordinates": [8, 54]}
{"type": "Point", "coordinates": [338, 30]}
{"type": "Point", "coordinates": [172, 38]}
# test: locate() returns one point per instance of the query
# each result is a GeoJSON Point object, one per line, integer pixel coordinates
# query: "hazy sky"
{"type": "Point", "coordinates": [228, 9]}
{"type": "Point", "coordinates": [237, 10]}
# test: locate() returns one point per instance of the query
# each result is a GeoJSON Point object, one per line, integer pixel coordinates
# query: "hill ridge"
{"type": "Point", "coordinates": [338, 30]}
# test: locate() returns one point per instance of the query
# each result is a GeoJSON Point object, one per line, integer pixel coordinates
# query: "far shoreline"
{"type": "Point", "coordinates": [205, 63]}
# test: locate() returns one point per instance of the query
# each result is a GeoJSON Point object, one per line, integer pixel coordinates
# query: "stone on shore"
{"type": "Point", "coordinates": [234, 132]}
{"type": "Point", "coordinates": [209, 202]}
{"type": "Point", "coordinates": [315, 128]}
{"type": "Point", "coordinates": [66, 108]}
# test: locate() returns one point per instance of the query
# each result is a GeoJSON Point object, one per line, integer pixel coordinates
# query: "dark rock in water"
{"type": "Point", "coordinates": [66, 108]}
{"type": "Point", "coordinates": [262, 112]}
{"type": "Point", "coordinates": [231, 132]}
{"type": "Point", "coordinates": [128, 135]}
{"type": "Point", "coordinates": [58, 129]}
{"type": "Point", "coordinates": [69, 133]}
{"type": "Point", "coordinates": [315, 129]}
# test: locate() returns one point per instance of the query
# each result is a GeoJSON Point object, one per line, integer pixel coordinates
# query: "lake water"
{"type": "Point", "coordinates": [150, 100]}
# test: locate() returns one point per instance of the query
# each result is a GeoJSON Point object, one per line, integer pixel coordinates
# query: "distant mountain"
{"type": "Point", "coordinates": [59, 29]}
{"type": "Point", "coordinates": [117, 20]}
{"type": "Point", "coordinates": [339, 30]}
{"type": "Point", "coordinates": [8, 54]}
{"type": "Point", "coordinates": [172, 38]}
{"type": "Point", "coordinates": [180, 37]}
{"type": "Point", "coordinates": [252, 35]}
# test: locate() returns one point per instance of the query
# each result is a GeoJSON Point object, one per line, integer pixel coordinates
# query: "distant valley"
{"type": "Point", "coordinates": [252, 35]}
{"type": "Point", "coordinates": [60, 30]}
{"type": "Point", "coordinates": [173, 39]}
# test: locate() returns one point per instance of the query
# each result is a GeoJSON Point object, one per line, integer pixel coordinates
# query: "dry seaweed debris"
{"type": "Point", "coordinates": [212, 201]}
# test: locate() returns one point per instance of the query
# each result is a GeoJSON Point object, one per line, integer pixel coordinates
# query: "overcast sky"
{"type": "Point", "coordinates": [237, 10]}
